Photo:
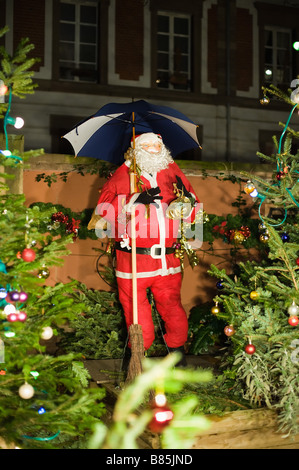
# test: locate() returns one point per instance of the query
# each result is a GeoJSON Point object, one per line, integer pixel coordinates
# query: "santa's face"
{"type": "Point", "coordinates": [151, 146]}
{"type": "Point", "coordinates": [151, 154]}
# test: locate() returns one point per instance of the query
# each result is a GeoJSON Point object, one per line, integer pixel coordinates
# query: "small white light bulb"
{"type": "Point", "coordinates": [19, 123]}
{"type": "Point", "coordinates": [47, 332]}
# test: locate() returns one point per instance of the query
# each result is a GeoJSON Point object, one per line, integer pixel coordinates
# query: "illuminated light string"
{"type": "Point", "coordinates": [17, 123]}
{"type": "Point", "coordinates": [263, 196]}
{"type": "Point", "coordinates": [50, 438]}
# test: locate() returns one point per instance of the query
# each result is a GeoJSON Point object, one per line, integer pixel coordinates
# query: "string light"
{"type": "Point", "coordinates": [9, 308]}
{"type": "Point", "coordinates": [17, 122]}
{"type": "Point", "coordinates": [3, 89]}
{"type": "Point", "coordinates": [34, 373]}
{"type": "Point", "coordinates": [9, 334]}
{"type": "Point", "coordinates": [254, 193]}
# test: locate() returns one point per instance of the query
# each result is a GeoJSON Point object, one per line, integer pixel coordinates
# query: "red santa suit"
{"type": "Point", "coordinates": [157, 266]}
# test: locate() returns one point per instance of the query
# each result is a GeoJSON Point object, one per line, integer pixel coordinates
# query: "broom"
{"type": "Point", "coordinates": [135, 330]}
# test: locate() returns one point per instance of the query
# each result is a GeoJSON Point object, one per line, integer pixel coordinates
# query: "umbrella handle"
{"type": "Point", "coordinates": [134, 261]}
{"type": "Point", "coordinates": [133, 232]}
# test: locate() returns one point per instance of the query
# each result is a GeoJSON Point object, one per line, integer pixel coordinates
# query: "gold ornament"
{"type": "Point", "coordinates": [249, 187]}
{"type": "Point", "coordinates": [43, 273]}
{"type": "Point", "coordinates": [238, 237]}
{"type": "Point", "coordinates": [254, 295]}
{"type": "Point", "coordinates": [201, 217]}
{"type": "Point", "coordinates": [179, 208]}
{"type": "Point", "coordinates": [229, 330]}
{"type": "Point", "coordinates": [215, 310]}
{"type": "Point", "coordinates": [265, 100]}
{"type": "Point", "coordinates": [262, 227]}
{"type": "Point", "coordinates": [264, 237]}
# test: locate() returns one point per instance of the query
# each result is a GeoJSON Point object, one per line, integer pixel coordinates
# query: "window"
{"type": "Point", "coordinates": [277, 56]}
{"type": "Point", "coordinates": [78, 41]}
{"type": "Point", "coordinates": [173, 51]}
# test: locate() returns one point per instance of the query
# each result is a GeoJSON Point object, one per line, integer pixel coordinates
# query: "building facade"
{"type": "Point", "coordinates": [206, 58]}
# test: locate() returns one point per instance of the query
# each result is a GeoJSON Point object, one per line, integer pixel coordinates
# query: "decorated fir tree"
{"type": "Point", "coordinates": [45, 400]}
{"type": "Point", "coordinates": [260, 303]}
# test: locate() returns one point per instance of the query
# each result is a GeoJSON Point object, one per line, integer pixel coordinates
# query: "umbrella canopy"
{"type": "Point", "coordinates": [107, 134]}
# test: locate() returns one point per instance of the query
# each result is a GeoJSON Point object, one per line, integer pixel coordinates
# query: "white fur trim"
{"type": "Point", "coordinates": [147, 137]}
{"type": "Point", "coordinates": [158, 272]}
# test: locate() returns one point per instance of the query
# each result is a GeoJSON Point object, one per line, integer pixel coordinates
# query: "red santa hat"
{"type": "Point", "coordinates": [146, 137]}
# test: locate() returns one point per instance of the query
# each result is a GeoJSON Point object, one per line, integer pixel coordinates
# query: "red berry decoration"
{"type": "Point", "coordinates": [293, 320]}
{"type": "Point", "coordinates": [28, 255]}
{"type": "Point", "coordinates": [297, 261]}
{"type": "Point", "coordinates": [250, 349]}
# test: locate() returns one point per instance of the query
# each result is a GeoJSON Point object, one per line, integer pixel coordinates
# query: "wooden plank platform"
{"type": "Point", "coordinates": [248, 429]}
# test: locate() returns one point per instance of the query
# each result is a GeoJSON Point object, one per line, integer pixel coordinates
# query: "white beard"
{"type": "Point", "coordinates": [153, 162]}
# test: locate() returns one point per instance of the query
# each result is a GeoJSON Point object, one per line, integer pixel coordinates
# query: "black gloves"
{"type": "Point", "coordinates": [180, 185]}
{"type": "Point", "coordinates": [148, 196]}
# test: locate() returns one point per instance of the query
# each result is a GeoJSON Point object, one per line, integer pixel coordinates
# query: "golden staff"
{"type": "Point", "coordinates": [135, 330]}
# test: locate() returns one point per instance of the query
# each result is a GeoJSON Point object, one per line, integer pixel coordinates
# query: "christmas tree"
{"type": "Point", "coordinates": [45, 400]}
{"type": "Point", "coordinates": [260, 302]}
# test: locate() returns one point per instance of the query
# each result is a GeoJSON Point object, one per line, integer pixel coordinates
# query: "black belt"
{"type": "Point", "coordinates": [154, 251]}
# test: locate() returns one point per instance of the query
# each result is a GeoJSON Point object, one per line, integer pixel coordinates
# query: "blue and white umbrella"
{"type": "Point", "coordinates": [107, 134]}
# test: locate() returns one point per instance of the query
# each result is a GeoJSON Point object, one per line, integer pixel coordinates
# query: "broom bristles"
{"type": "Point", "coordinates": [137, 352]}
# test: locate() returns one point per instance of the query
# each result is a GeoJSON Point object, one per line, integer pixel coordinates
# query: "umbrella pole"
{"type": "Point", "coordinates": [135, 330]}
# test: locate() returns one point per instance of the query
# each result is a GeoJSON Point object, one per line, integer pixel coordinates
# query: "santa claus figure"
{"type": "Point", "coordinates": [158, 269]}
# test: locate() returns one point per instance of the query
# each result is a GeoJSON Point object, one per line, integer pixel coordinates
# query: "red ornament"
{"type": "Point", "coordinates": [12, 317]}
{"type": "Point", "coordinates": [28, 255]}
{"type": "Point", "coordinates": [297, 261]}
{"type": "Point", "coordinates": [59, 217]}
{"type": "Point", "coordinates": [245, 231]}
{"type": "Point", "coordinates": [280, 175]}
{"type": "Point", "coordinates": [293, 320]}
{"type": "Point", "coordinates": [23, 296]}
{"type": "Point", "coordinates": [163, 415]}
{"type": "Point", "coordinates": [250, 349]}
{"type": "Point", "coordinates": [22, 316]}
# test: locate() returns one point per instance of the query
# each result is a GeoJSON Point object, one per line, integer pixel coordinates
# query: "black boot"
{"type": "Point", "coordinates": [182, 362]}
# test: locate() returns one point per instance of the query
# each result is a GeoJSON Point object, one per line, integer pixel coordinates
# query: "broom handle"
{"type": "Point", "coordinates": [133, 235]}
